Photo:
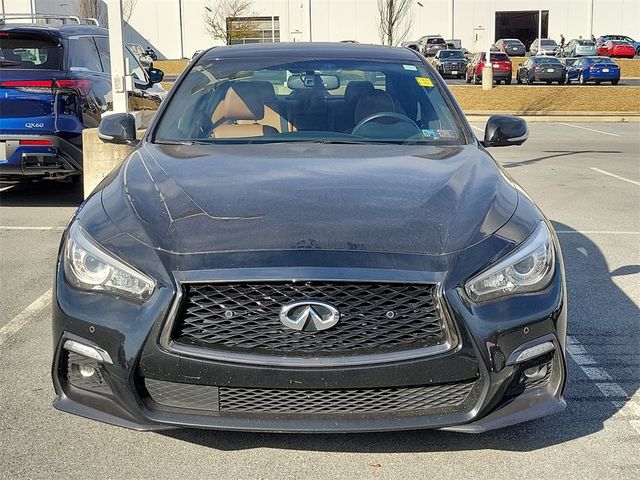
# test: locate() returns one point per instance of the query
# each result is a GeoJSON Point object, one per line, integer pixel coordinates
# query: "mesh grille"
{"type": "Point", "coordinates": [316, 402]}
{"type": "Point", "coordinates": [342, 401]}
{"type": "Point", "coordinates": [245, 317]}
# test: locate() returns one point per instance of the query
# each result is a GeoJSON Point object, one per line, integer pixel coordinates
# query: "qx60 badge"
{"type": "Point", "coordinates": [309, 316]}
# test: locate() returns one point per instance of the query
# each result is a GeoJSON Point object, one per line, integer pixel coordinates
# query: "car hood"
{"type": "Point", "coordinates": [386, 198]}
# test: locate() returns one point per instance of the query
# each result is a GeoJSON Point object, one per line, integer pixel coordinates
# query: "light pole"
{"type": "Point", "coordinates": [310, 24]}
{"type": "Point", "coordinates": [487, 70]}
{"type": "Point", "coordinates": [181, 30]}
{"type": "Point", "coordinates": [119, 80]}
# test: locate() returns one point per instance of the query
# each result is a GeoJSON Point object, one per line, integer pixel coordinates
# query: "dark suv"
{"type": "Point", "coordinates": [54, 82]}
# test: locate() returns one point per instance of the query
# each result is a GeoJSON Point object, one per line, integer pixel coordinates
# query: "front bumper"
{"type": "Point", "coordinates": [485, 338]}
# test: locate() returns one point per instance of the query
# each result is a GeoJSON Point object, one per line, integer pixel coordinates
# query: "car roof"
{"type": "Point", "coordinates": [61, 31]}
{"type": "Point", "coordinates": [308, 49]}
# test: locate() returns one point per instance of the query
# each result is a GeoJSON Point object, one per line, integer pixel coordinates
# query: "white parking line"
{"type": "Point", "coordinates": [590, 129]}
{"type": "Point", "coordinates": [604, 172]}
{"type": "Point", "coordinates": [627, 406]}
{"type": "Point", "coordinates": [9, 227]}
{"type": "Point", "coordinates": [20, 320]}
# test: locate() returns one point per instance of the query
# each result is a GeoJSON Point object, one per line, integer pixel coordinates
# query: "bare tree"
{"type": "Point", "coordinates": [224, 19]}
{"type": "Point", "coordinates": [395, 20]}
{"type": "Point", "coordinates": [92, 9]}
{"type": "Point", "coordinates": [128, 6]}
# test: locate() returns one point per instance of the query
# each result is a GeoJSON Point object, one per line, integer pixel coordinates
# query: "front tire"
{"type": "Point", "coordinates": [581, 80]}
{"type": "Point", "coordinates": [507, 81]}
{"type": "Point", "coordinates": [476, 80]}
{"type": "Point", "coordinates": [614, 82]}
{"type": "Point", "coordinates": [530, 80]}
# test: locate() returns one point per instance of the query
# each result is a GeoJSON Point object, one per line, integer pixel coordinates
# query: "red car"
{"type": "Point", "coordinates": [616, 48]}
{"type": "Point", "coordinates": [501, 68]}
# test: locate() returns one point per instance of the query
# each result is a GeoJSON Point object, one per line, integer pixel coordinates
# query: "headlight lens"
{"type": "Point", "coordinates": [528, 269]}
{"type": "Point", "coordinates": [89, 267]}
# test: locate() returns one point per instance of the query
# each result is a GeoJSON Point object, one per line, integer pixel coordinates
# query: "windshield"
{"type": "Point", "coordinates": [548, 43]}
{"type": "Point", "coordinates": [513, 42]}
{"type": "Point", "coordinates": [547, 60]}
{"type": "Point", "coordinates": [585, 43]}
{"type": "Point", "coordinates": [330, 101]}
{"type": "Point", "coordinates": [436, 41]}
{"type": "Point", "coordinates": [451, 54]}
{"type": "Point", "coordinates": [24, 51]}
{"type": "Point", "coordinates": [599, 60]}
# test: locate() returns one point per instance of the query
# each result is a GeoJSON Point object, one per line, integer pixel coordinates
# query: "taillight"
{"type": "Point", "coordinates": [41, 143]}
{"type": "Point", "coordinates": [80, 87]}
{"type": "Point", "coordinates": [31, 86]}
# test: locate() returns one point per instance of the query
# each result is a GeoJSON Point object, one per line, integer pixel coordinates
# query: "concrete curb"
{"type": "Point", "coordinates": [560, 117]}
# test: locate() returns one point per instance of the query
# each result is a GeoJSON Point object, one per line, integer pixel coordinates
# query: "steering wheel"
{"type": "Point", "coordinates": [394, 115]}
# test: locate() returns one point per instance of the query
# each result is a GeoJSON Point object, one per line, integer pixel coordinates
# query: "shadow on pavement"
{"type": "Point", "coordinates": [556, 154]}
{"type": "Point", "coordinates": [599, 314]}
{"type": "Point", "coordinates": [42, 194]}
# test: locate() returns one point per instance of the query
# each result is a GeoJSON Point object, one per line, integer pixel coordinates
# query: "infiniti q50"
{"type": "Point", "coordinates": [310, 238]}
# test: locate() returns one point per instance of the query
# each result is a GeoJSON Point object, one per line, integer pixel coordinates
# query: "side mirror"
{"type": "Point", "coordinates": [119, 128]}
{"type": "Point", "coordinates": [504, 131]}
{"type": "Point", "coordinates": [155, 75]}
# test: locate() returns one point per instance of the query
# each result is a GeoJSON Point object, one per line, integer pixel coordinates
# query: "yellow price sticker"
{"type": "Point", "coordinates": [424, 82]}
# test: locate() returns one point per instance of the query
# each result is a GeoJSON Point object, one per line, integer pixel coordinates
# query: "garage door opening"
{"type": "Point", "coordinates": [521, 25]}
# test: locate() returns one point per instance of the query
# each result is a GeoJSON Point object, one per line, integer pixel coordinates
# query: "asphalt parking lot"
{"type": "Point", "coordinates": [585, 177]}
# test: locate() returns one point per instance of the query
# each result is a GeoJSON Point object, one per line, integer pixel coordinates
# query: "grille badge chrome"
{"type": "Point", "coordinates": [309, 316]}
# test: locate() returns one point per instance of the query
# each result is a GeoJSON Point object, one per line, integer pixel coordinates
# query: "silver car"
{"type": "Point", "coordinates": [579, 48]}
{"type": "Point", "coordinates": [547, 46]}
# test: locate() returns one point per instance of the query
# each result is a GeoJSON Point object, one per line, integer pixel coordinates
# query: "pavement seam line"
{"type": "Point", "coordinates": [16, 323]}
{"type": "Point", "coordinates": [589, 129]}
{"type": "Point", "coordinates": [618, 396]}
{"type": "Point", "coordinates": [604, 172]}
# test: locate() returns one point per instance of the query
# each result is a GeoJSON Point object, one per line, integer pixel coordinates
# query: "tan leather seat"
{"type": "Point", "coordinates": [273, 115]}
{"type": "Point", "coordinates": [241, 102]}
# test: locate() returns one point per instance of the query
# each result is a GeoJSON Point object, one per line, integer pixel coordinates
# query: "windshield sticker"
{"type": "Point", "coordinates": [413, 68]}
{"type": "Point", "coordinates": [446, 134]}
{"type": "Point", "coordinates": [424, 82]}
{"type": "Point", "coordinates": [430, 134]}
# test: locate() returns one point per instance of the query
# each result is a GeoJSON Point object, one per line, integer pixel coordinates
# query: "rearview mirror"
{"type": "Point", "coordinates": [297, 82]}
{"type": "Point", "coordinates": [155, 75]}
{"type": "Point", "coordinates": [504, 131]}
{"type": "Point", "coordinates": [119, 128]}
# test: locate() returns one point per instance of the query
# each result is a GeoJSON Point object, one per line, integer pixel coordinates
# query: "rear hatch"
{"type": "Point", "coordinates": [30, 78]}
{"type": "Point", "coordinates": [500, 62]}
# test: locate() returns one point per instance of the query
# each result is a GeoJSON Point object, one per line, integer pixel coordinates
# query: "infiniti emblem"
{"type": "Point", "coordinates": [309, 315]}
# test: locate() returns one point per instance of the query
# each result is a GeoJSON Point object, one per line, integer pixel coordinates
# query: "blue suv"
{"type": "Point", "coordinates": [54, 82]}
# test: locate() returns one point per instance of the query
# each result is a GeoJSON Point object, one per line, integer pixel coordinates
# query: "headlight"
{"type": "Point", "coordinates": [88, 267]}
{"type": "Point", "coordinates": [528, 269]}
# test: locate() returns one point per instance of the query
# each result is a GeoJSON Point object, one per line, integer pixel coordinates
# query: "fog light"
{"type": "Point", "coordinates": [536, 373]}
{"type": "Point", "coordinates": [87, 371]}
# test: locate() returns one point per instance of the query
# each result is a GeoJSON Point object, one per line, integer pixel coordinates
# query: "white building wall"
{"type": "Point", "coordinates": [157, 22]}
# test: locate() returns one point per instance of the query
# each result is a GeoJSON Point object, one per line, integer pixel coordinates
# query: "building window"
{"type": "Point", "coordinates": [253, 30]}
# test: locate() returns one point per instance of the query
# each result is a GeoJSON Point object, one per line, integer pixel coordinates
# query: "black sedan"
{"type": "Point", "coordinates": [512, 47]}
{"type": "Point", "coordinates": [541, 69]}
{"type": "Point", "coordinates": [450, 63]}
{"type": "Point", "coordinates": [321, 255]}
